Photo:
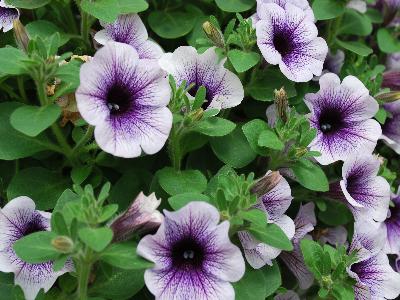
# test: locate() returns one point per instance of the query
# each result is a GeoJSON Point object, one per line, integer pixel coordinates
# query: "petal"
{"type": "Point", "coordinates": [127, 29]}
{"type": "Point", "coordinates": [335, 236]}
{"type": "Point", "coordinates": [102, 37]}
{"type": "Point", "coordinates": [149, 50]}
{"type": "Point", "coordinates": [304, 221]}
{"type": "Point", "coordinates": [288, 295]}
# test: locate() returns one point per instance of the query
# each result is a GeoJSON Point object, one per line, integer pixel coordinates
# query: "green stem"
{"type": "Point", "coordinates": [82, 142]}
{"type": "Point", "coordinates": [85, 28]}
{"type": "Point", "coordinates": [85, 266]}
{"type": "Point", "coordinates": [174, 146]}
{"type": "Point", "coordinates": [21, 89]}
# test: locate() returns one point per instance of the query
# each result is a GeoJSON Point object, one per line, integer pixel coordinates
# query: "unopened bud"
{"type": "Point", "coordinates": [214, 34]}
{"type": "Point", "coordinates": [21, 35]}
{"type": "Point", "coordinates": [281, 102]}
{"type": "Point", "coordinates": [266, 183]}
{"type": "Point", "coordinates": [389, 97]}
{"type": "Point", "coordinates": [197, 114]}
{"type": "Point", "coordinates": [301, 151]}
{"type": "Point", "coordinates": [63, 244]}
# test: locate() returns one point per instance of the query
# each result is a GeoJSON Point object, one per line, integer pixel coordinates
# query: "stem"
{"type": "Point", "coordinates": [174, 147]}
{"type": "Point", "coordinates": [85, 28]}
{"type": "Point", "coordinates": [82, 142]}
{"type": "Point", "coordinates": [85, 266]}
{"type": "Point", "coordinates": [21, 89]}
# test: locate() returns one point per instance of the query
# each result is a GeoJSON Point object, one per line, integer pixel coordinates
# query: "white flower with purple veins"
{"type": "Point", "coordinates": [18, 219]}
{"type": "Point", "coordinates": [365, 193]}
{"type": "Point", "coordinates": [129, 29]}
{"type": "Point", "coordinates": [375, 278]}
{"type": "Point", "coordinates": [392, 227]}
{"type": "Point", "coordinates": [342, 114]}
{"type": "Point", "coordinates": [391, 128]}
{"type": "Point", "coordinates": [125, 98]}
{"type": "Point", "coordinates": [193, 256]}
{"type": "Point", "coordinates": [302, 4]}
{"type": "Point", "coordinates": [393, 61]}
{"type": "Point", "coordinates": [304, 223]}
{"type": "Point", "coordinates": [286, 37]}
{"type": "Point", "coordinates": [223, 88]}
{"type": "Point", "coordinates": [8, 14]}
{"type": "Point", "coordinates": [274, 199]}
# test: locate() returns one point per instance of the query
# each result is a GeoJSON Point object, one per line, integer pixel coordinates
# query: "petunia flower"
{"type": "Point", "coordinates": [334, 236]}
{"type": "Point", "coordinates": [365, 193]}
{"type": "Point", "coordinates": [193, 256]}
{"type": "Point", "coordinates": [141, 217]}
{"type": "Point", "coordinates": [304, 223]}
{"type": "Point", "coordinates": [392, 227]}
{"type": "Point", "coordinates": [358, 5]}
{"type": "Point", "coordinates": [302, 4]}
{"type": "Point", "coordinates": [342, 114]}
{"type": "Point", "coordinates": [125, 98]}
{"type": "Point", "coordinates": [375, 277]}
{"type": "Point", "coordinates": [129, 29]}
{"type": "Point", "coordinates": [287, 38]}
{"type": "Point", "coordinates": [391, 80]}
{"type": "Point", "coordinates": [393, 61]}
{"type": "Point", "coordinates": [288, 295]}
{"type": "Point", "coordinates": [274, 199]}
{"type": "Point", "coordinates": [391, 128]}
{"type": "Point", "coordinates": [19, 218]}
{"type": "Point", "coordinates": [223, 88]}
{"type": "Point", "coordinates": [8, 14]}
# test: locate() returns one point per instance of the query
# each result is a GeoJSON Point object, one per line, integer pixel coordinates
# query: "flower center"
{"type": "Point", "coordinates": [187, 253]}
{"type": "Point", "coordinates": [282, 43]}
{"type": "Point", "coordinates": [330, 121]}
{"type": "Point", "coordinates": [34, 225]}
{"type": "Point", "coordinates": [119, 99]}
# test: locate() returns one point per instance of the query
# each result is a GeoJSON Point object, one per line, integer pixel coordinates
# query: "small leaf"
{"type": "Point", "coordinates": [58, 224]}
{"type": "Point", "coordinates": [171, 24]}
{"type": "Point", "coordinates": [36, 247]}
{"type": "Point", "coordinates": [388, 41]}
{"type": "Point", "coordinates": [105, 10]}
{"type": "Point", "coordinates": [269, 139]}
{"type": "Point", "coordinates": [107, 212]}
{"type": "Point", "coordinates": [80, 174]}
{"type": "Point", "coordinates": [252, 130]}
{"type": "Point", "coordinates": [59, 262]}
{"type": "Point", "coordinates": [255, 216]}
{"type": "Point", "coordinates": [243, 61]}
{"type": "Point", "coordinates": [235, 5]}
{"type": "Point", "coordinates": [29, 4]}
{"type": "Point", "coordinates": [327, 9]}
{"type": "Point", "coordinates": [96, 238]}
{"type": "Point", "coordinates": [179, 182]}
{"type": "Point", "coordinates": [310, 175]}
{"type": "Point", "coordinates": [271, 235]}
{"type": "Point", "coordinates": [123, 256]}
{"type": "Point", "coordinates": [200, 97]}
{"type": "Point", "coordinates": [180, 200]}
{"type": "Point", "coordinates": [356, 47]}
{"type": "Point", "coordinates": [355, 23]}
{"type": "Point", "coordinates": [11, 61]}
{"type": "Point", "coordinates": [214, 126]}
{"type": "Point", "coordinates": [129, 6]}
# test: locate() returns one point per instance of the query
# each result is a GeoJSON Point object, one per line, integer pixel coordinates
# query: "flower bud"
{"type": "Point", "coordinates": [214, 34]}
{"type": "Point", "coordinates": [281, 102]}
{"type": "Point", "coordinates": [266, 183]}
{"type": "Point", "coordinates": [21, 35]}
{"type": "Point", "coordinates": [63, 244]}
{"type": "Point", "coordinates": [389, 97]}
{"type": "Point", "coordinates": [141, 217]}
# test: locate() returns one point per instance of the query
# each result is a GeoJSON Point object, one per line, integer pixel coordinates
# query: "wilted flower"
{"type": "Point", "coordinates": [193, 256]}
{"type": "Point", "coordinates": [125, 98]}
{"type": "Point", "coordinates": [304, 223]}
{"type": "Point", "coordinates": [342, 114]}
{"type": "Point", "coordinates": [392, 227]}
{"type": "Point", "coordinates": [366, 194]}
{"type": "Point", "coordinates": [274, 200]}
{"type": "Point", "coordinates": [18, 219]}
{"type": "Point", "coordinates": [223, 88]}
{"type": "Point", "coordinates": [375, 277]}
{"type": "Point", "coordinates": [334, 236]}
{"type": "Point", "coordinates": [21, 35]}
{"type": "Point", "coordinates": [129, 29]}
{"type": "Point", "coordinates": [391, 128]}
{"type": "Point", "coordinates": [288, 39]}
{"type": "Point", "coordinates": [302, 4]}
{"type": "Point", "coordinates": [8, 14]}
{"type": "Point", "coordinates": [141, 217]}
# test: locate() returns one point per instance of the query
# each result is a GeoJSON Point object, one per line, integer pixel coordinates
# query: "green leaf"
{"type": "Point", "coordinates": [252, 130]}
{"type": "Point", "coordinates": [66, 197]}
{"type": "Point", "coordinates": [123, 255]}
{"type": "Point", "coordinates": [272, 275]}
{"type": "Point", "coordinates": [381, 115]}
{"type": "Point", "coordinates": [107, 212]}
{"type": "Point", "coordinates": [336, 214]}
{"type": "Point", "coordinates": [387, 41]}
{"type": "Point", "coordinates": [374, 15]}
{"type": "Point", "coordinates": [233, 149]}
{"type": "Point", "coordinates": [59, 262]}
{"type": "Point", "coordinates": [271, 235]}
{"type": "Point", "coordinates": [269, 139]}
{"type": "Point", "coordinates": [327, 9]}
{"type": "Point", "coordinates": [312, 252]}
{"type": "Point", "coordinates": [105, 10]}
{"type": "Point", "coordinates": [96, 238]}
{"type": "Point", "coordinates": [11, 61]}
{"type": "Point", "coordinates": [255, 216]}
{"type": "Point", "coordinates": [199, 97]}
{"type": "Point", "coordinates": [58, 224]}
{"type": "Point", "coordinates": [40, 184]}
{"type": "Point", "coordinates": [69, 76]}
{"type": "Point", "coordinates": [171, 24]}
{"type": "Point", "coordinates": [29, 4]}
{"type": "Point", "coordinates": [81, 173]}
{"type": "Point", "coordinates": [264, 84]}
{"type": "Point", "coordinates": [180, 200]}
{"type": "Point", "coordinates": [235, 5]}
{"type": "Point", "coordinates": [355, 47]}
{"type": "Point", "coordinates": [14, 144]}
{"type": "Point", "coordinates": [126, 188]}
{"type": "Point", "coordinates": [178, 182]}
{"type": "Point", "coordinates": [36, 247]}
{"type": "Point", "coordinates": [243, 61]}
{"type": "Point", "coordinates": [129, 6]}
{"type": "Point", "coordinates": [214, 126]}
{"type": "Point", "coordinates": [44, 29]}
{"type": "Point", "coordinates": [355, 23]}
{"type": "Point", "coordinates": [310, 175]}
{"type": "Point", "coordinates": [32, 120]}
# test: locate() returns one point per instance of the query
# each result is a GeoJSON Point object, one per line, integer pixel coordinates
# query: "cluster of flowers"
{"type": "Point", "coordinates": [124, 94]}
